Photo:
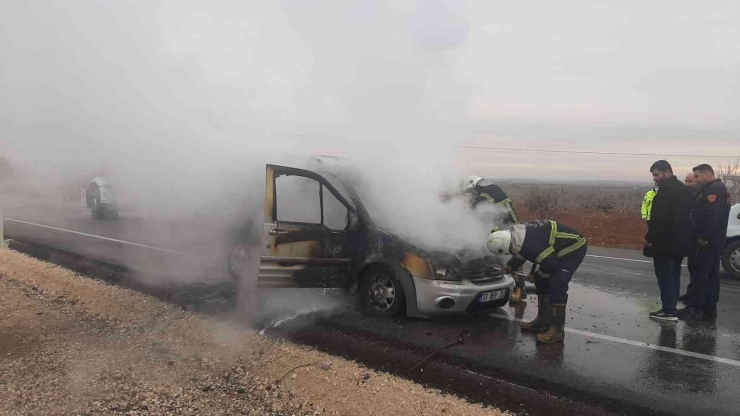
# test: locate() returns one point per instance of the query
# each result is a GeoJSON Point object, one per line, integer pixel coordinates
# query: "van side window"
{"type": "Point", "coordinates": [298, 199]}
{"type": "Point", "coordinates": [336, 214]}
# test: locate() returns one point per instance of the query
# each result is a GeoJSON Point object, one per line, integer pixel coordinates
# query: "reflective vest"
{"type": "Point", "coordinates": [544, 242]}
{"type": "Point", "coordinates": [647, 204]}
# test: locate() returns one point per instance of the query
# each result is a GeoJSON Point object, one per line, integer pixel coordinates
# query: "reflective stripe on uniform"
{"type": "Point", "coordinates": [554, 235]}
{"type": "Point", "coordinates": [506, 202]}
{"type": "Point", "coordinates": [488, 197]}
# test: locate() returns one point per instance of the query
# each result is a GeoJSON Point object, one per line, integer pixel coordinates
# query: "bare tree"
{"type": "Point", "coordinates": [542, 201]}
{"type": "Point", "coordinates": [730, 174]}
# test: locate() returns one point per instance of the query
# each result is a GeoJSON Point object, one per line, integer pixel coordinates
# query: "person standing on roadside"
{"type": "Point", "coordinates": [690, 181]}
{"type": "Point", "coordinates": [695, 189]}
{"type": "Point", "coordinates": [668, 239]}
{"type": "Point", "coordinates": [710, 218]}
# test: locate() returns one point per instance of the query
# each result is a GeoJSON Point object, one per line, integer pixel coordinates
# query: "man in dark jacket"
{"type": "Point", "coordinates": [668, 237]}
{"type": "Point", "coordinates": [710, 217]}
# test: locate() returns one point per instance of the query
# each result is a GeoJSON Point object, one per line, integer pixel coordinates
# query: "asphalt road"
{"type": "Point", "coordinates": [614, 356]}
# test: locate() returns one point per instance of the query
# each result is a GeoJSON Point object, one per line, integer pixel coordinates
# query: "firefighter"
{"type": "Point", "coordinates": [482, 191]}
{"type": "Point", "coordinates": [710, 217]}
{"type": "Point", "coordinates": [558, 250]}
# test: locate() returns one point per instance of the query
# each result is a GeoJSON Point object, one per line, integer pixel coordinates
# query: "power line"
{"type": "Point", "coordinates": [508, 149]}
{"type": "Point", "coordinates": [584, 152]}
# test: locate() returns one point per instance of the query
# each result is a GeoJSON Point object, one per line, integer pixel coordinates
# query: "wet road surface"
{"type": "Point", "coordinates": [613, 355]}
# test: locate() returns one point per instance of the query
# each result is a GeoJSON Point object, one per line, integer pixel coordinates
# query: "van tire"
{"type": "Point", "coordinates": [731, 259]}
{"type": "Point", "coordinates": [381, 293]}
{"type": "Point", "coordinates": [98, 211]}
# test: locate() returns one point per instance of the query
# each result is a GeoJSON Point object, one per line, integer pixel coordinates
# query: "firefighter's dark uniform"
{"type": "Point", "coordinates": [559, 251]}
{"type": "Point", "coordinates": [486, 191]}
{"type": "Point", "coordinates": [710, 217]}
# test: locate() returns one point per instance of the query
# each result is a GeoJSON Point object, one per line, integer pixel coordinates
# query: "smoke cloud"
{"type": "Point", "coordinates": [182, 103]}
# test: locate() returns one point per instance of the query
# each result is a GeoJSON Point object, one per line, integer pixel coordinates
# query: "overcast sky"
{"type": "Point", "coordinates": [121, 79]}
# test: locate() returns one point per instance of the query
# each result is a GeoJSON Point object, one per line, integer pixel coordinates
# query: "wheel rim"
{"type": "Point", "coordinates": [735, 260]}
{"type": "Point", "coordinates": [382, 292]}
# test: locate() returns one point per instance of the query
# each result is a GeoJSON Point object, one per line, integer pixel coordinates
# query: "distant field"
{"type": "Point", "coordinates": [608, 215]}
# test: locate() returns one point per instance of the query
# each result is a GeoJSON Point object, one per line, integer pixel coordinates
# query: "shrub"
{"type": "Point", "coordinates": [542, 201]}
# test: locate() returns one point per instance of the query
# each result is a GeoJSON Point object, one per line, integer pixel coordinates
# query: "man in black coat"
{"type": "Point", "coordinates": [710, 217]}
{"type": "Point", "coordinates": [668, 238]}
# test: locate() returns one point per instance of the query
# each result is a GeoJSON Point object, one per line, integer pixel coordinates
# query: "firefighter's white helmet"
{"type": "Point", "coordinates": [499, 242]}
{"type": "Point", "coordinates": [469, 183]}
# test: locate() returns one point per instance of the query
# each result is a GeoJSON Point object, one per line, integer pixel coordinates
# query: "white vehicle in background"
{"type": "Point", "coordinates": [99, 197]}
{"type": "Point", "coordinates": [731, 253]}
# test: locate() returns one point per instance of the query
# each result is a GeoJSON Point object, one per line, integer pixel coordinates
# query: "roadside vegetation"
{"type": "Point", "coordinates": [608, 215]}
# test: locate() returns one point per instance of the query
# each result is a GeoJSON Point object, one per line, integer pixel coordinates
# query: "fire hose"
{"type": "Point", "coordinates": [461, 339]}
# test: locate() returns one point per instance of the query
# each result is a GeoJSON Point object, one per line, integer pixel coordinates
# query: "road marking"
{"type": "Point", "coordinates": [635, 343]}
{"type": "Point", "coordinates": [101, 237]}
{"type": "Point", "coordinates": [619, 258]}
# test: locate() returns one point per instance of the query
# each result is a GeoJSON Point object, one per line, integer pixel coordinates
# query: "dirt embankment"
{"type": "Point", "coordinates": [602, 229]}
{"type": "Point", "coordinates": [72, 345]}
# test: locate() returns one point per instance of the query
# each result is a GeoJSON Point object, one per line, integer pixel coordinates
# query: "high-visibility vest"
{"type": "Point", "coordinates": [647, 204]}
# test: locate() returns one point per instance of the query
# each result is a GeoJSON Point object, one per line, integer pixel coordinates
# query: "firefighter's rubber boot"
{"type": "Point", "coordinates": [544, 316]}
{"type": "Point", "coordinates": [520, 292]}
{"type": "Point", "coordinates": [516, 297]}
{"type": "Point", "coordinates": [556, 332]}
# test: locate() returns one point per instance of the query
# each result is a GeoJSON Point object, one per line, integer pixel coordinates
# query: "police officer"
{"type": "Point", "coordinates": [559, 251]}
{"type": "Point", "coordinates": [482, 191]}
{"type": "Point", "coordinates": [710, 217]}
{"type": "Point", "coordinates": [695, 189]}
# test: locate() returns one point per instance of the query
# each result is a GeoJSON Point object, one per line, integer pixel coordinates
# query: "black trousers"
{"type": "Point", "coordinates": [690, 266]}
{"type": "Point", "coordinates": [705, 277]}
{"type": "Point", "coordinates": [556, 286]}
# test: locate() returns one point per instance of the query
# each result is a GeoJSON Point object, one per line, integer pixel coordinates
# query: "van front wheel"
{"type": "Point", "coordinates": [381, 292]}
{"type": "Point", "coordinates": [731, 259]}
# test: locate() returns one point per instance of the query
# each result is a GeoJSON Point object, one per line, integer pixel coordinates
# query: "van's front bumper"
{"type": "Point", "coordinates": [443, 297]}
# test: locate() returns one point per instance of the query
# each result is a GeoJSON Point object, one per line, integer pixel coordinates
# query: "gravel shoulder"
{"type": "Point", "coordinates": [74, 345]}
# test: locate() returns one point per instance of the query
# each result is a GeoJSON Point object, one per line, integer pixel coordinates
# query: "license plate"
{"type": "Point", "coordinates": [489, 296]}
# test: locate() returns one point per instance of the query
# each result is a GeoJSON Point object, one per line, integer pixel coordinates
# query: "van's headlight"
{"type": "Point", "coordinates": [446, 273]}
{"type": "Point", "coordinates": [423, 268]}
